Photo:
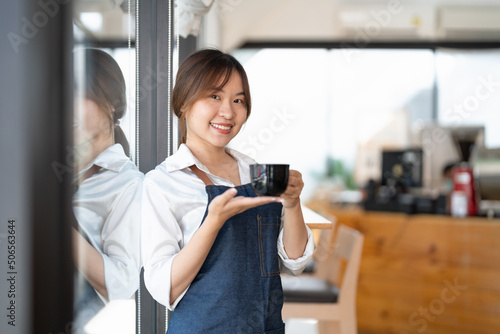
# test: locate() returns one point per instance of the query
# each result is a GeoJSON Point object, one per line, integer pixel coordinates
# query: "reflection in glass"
{"type": "Point", "coordinates": [106, 202]}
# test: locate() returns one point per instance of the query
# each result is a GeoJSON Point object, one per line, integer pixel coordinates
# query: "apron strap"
{"type": "Point", "coordinates": [201, 175]}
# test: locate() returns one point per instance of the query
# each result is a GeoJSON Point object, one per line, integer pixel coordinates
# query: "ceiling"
{"type": "Point", "coordinates": [104, 20]}
{"type": "Point", "coordinates": [241, 21]}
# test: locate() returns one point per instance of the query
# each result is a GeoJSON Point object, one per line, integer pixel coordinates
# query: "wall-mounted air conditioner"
{"type": "Point", "coordinates": [479, 22]}
{"type": "Point", "coordinates": [387, 20]}
{"type": "Point", "coordinates": [418, 20]}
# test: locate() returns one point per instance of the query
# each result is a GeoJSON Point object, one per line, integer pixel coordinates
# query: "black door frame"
{"type": "Point", "coordinates": [156, 43]}
{"type": "Point", "coordinates": [36, 178]}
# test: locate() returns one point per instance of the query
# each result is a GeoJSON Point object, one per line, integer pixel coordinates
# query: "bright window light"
{"type": "Point", "coordinates": [92, 20]}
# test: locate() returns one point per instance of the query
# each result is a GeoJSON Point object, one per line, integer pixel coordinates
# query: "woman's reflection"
{"type": "Point", "coordinates": [107, 200]}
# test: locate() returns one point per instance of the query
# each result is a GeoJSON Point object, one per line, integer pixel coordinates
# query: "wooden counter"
{"type": "Point", "coordinates": [425, 273]}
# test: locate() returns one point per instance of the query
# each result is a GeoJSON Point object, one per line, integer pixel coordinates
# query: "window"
{"type": "Point", "coordinates": [469, 90]}
{"type": "Point", "coordinates": [311, 106]}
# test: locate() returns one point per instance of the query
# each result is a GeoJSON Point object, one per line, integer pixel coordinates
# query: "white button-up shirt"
{"type": "Point", "coordinates": [107, 207]}
{"type": "Point", "coordinates": [174, 203]}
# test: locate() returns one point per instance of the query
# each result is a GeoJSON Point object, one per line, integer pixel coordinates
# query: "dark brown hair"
{"type": "Point", "coordinates": [103, 83]}
{"type": "Point", "coordinates": [200, 73]}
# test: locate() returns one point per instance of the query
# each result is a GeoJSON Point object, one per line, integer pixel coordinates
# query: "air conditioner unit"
{"type": "Point", "coordinates": [386, 20]}
{"type": "Point", "coordinates": [469, 21]}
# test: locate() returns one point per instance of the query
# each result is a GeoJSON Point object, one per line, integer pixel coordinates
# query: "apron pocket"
{"type": "Point", "coordinates": [268, 245]}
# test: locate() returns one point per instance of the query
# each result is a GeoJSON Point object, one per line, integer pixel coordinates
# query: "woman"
{"type": "Point", "coordinates": [107, 202]}
{"type": "Point", "coordinates": [215, 260]}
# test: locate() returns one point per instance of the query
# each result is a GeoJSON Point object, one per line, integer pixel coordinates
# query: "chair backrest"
{"type": "Point", "coordinates": [324, 247]}
{"type": "Point", "coordinates": [343, 265]}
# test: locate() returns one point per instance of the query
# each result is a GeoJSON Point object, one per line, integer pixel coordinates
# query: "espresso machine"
{"type": "Point", "coordinates": [476, 176]}
{"type": "Point", "coordinates": [464, 198]}
{"type": "Point", "coordinates": [486, 166]}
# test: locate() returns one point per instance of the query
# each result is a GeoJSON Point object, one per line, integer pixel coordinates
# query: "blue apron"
{"type": "Point", "coordinates": [238, 288]}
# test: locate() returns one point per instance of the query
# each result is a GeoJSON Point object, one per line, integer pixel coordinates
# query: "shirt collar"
{"type": "Point", "coordinates": [183, 158]}
{"type": "Point", "coordinates": [240, 157]}
{"type": "Point", "coordinates": [113, 158]}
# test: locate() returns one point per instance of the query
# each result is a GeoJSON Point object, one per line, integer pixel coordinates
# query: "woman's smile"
{"type": "Point", "coordinates": [224, 128]}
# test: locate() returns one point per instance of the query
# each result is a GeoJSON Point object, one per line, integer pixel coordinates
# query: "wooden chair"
{"type": "Point", "coordinates": [330, 294]}
{"type": "Point", "coordinates": [324, 247]}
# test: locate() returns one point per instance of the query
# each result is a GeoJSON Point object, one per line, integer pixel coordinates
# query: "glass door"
{"type": "Point", "coordinates": [123, 73]}
{"type": "Point", "coordinates": [107, 181]}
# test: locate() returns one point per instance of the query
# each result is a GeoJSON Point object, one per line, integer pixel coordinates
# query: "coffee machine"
{"type": "Point", "coordinates": [447, 144]}
{"type": "Point", "coordinates": [458, 146]}
{"type": "Point", "coordinates": [464, 200]}
{"type": "Point", "coordinates": [486, 167]}
{"type": "Point", "coordinates": [477, 174]}
{"type": "Point", "coordinates": [401, 173]}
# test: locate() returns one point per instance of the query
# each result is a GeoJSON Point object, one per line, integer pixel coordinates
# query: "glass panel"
{"type": "Point", "coordinates": [289, 109]}
{"type": "Point", "coordinates": [380, 100]}
{"type": "Point", "coordinates": [469, 90]}
{"type": "Point", "coordinates": [106, 202]}
{"type": "Point", "coordinates": [337, 108]}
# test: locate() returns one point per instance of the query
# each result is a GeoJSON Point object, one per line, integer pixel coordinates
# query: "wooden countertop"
{"type": "Point", "coordinates": [316, 221]}
{"type": "Point", "coordinates": [425, 273]}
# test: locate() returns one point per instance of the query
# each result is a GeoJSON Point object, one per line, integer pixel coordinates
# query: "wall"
{"type": "Point", "coordinates": [322, 20]}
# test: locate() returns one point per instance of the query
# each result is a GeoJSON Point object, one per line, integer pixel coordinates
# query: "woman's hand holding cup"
{"type": "Point", "coordinates": [291, 196]}
{"type": "Point", "coordinates": [277, 180]}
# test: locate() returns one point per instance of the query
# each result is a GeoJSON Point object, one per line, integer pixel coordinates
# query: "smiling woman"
{"type": "Point", "coordinates": [215, 260]}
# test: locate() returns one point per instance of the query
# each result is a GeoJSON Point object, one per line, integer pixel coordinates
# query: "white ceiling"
{"type": "Point", "coordinates": [239, 21]}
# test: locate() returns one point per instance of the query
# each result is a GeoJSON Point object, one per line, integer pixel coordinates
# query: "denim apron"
{"type": "Point", "coordinates": [238, 288]}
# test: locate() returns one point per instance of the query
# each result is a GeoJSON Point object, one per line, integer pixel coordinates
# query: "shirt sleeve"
{"type": "Point", "coordinates": [121, 243]}
{"type": "Point", "coordinates": [161, 240]}
{"type": "Point", "coordinates": [295, 266]}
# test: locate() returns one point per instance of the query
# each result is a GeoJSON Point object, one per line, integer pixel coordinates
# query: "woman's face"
{"type": "Point", "coordinates": [91, 123]}
{"type": "Point", "coordinates": [218, 117]}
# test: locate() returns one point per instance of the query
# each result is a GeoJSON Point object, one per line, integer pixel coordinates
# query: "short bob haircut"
{"type": "Point", "coordinates": [202, 72]}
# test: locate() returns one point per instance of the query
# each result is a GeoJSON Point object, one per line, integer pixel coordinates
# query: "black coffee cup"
{"type": "Point", "coordinates": [269, 179]}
